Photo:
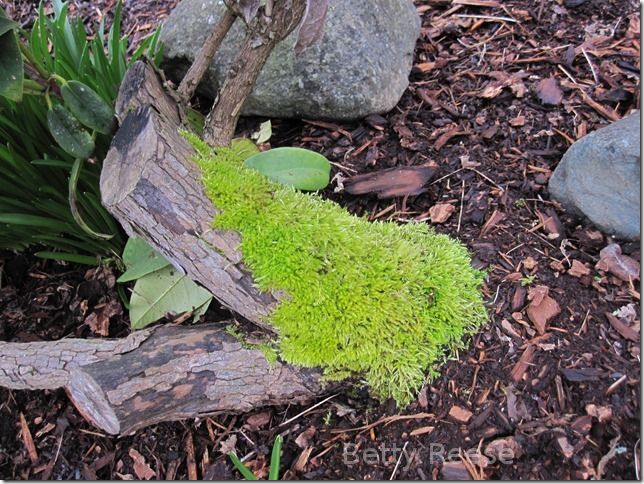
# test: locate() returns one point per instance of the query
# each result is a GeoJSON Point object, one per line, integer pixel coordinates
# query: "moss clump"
{"type": "Point", "coordinates": [379, 300]}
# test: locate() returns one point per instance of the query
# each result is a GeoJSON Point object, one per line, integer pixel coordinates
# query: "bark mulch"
{"type": "Point", "coordinates": [499, 91]}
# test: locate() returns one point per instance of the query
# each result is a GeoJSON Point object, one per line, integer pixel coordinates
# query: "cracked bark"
{"type": "Point", "coordinates": [155, 375]}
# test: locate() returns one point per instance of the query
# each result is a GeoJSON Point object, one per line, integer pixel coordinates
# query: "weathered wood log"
{"type": "Point", "coordinates": [153, 188]}
{"type": "Point", "coordinates": [159, 374]}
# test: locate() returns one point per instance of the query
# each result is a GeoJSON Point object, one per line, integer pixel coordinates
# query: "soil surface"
{"type": "Point", "coordinates": [550, 387]}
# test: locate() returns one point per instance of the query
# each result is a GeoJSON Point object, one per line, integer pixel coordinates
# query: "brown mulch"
{"type": "Point", "coordinates": [499, 91]}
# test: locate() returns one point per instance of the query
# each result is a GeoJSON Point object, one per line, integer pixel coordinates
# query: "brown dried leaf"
{"type": "Point", "coordinates": [391, 182]}
{"type": "Point", "coordinates": [141, 468]}
{"type": "Point", "coordinates": [312, 26]}
{"type": "Point", "coordinates": [542, 308]}
{"type": "Point", "coordinates": [441, 212]}
{"type": "Point", "coordinates": [612, 260]}
{"type": "Point", "coordinates": [99, 320]}
{"type": "Point", "coordinates": [622, 328]}
{"type": "Point", "coordinates": [549, 92]}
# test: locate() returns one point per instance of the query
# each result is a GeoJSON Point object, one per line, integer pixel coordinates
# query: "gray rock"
{"type": "Point", "coordinates": [359, 67]}
{"type": "Point", "coordinates": [599, 177]}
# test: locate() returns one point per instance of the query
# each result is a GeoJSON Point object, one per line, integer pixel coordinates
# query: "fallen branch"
{"type": "Point", "coordinates": [160, 374]}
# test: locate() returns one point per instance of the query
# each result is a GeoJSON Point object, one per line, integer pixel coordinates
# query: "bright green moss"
{"type": "Point", "coordinates": [378, 300]}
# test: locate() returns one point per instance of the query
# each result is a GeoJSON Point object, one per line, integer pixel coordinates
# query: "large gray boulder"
{"type": "Point", "coordinates": [359, 67]}
{"type": "Point", "coordinates": [599, 177]}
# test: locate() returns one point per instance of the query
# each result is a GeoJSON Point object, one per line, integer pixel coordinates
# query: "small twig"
{"type": "Point", "coordinates": [191, 80]}
{"type": "Point", "coordinates": [460, 212]}
{"type": "Point", "coordinates": [393, 474]}
{"type": "Point", "coordinates": [568, 74]}
{"type": "Point", "coordinates": [307, 410]}
{"type": "Point", "coordinates": [487, 17]}
{"type": "Point", "coordinates": [592, 68]}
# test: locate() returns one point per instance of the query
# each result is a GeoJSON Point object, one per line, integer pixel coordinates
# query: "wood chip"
{"type": "Point", "coordinates": [455, 471]}
{"type": "Point", "coordinates": [602, 413]}
{"type": "Point", "coordinates": [542, 308]}
{"type": "Point", "coordinates": [28, 440]}
{"type": "Point", "coordinates": [191, 461]}
{"type": "Point", "coordinates": [549, 92]}
{"type": "Point", "coordinates": [491, 222]}
{"type": "Point", "coordinates": [421, 431]}
{"type": "Point", "coordinates": [623, 329]}
{"type": "Point", "coordinates": [141, 468]}
{"type": "Point", "coordinates": [522, 365]}
{"type": "Point", "coordinates": [441, 212]}
{"type": "Point", "coordinates": [391, 182]}
{"type": "Point", "coordinates": [578, 269]}
{"type": "Point", "coordinates": [304, 439]}
{"type": "Point", "coordinates": [565, 447]}
{"type": "Point", "coordinates": [460, 414]}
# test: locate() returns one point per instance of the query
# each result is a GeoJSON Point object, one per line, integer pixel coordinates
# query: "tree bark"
{"type": "Point", "coordinates": [159, 374]}
{"type": "Point", "coordinates": [263, 34]}
{"type": "Point", "coordinates": [153, 188]}
{"type": "Point", "coordinates": [205, 55]}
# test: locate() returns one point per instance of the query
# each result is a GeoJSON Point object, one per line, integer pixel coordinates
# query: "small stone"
{"type": "Point", "coordinates": [599, 177]}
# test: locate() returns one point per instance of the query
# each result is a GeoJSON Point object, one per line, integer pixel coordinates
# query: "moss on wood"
{"type": "Point", "coordinates": [378, 300]}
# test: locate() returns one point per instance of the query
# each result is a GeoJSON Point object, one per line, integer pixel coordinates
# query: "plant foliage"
{"type": "Point", "coordinates": [57, 89]}
{"type": "Point", "coordinates": [378, 300]}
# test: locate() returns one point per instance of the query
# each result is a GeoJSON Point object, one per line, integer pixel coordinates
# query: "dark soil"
{"type": "Point", "coordinates": [572, 412]}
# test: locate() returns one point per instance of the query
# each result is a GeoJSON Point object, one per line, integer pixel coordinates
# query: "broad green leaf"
{"type": "Point", "coordinates": [264, 133]}
{"type": "Point", "coordinates": [6, 24]}
{"type": "Point", "coordinates": [196, 120]}
{"type": "Point", "coordinates": [163, 292]}
{"type": "Point", "coordinates": [244, 148]}
{"type": "Point", "coordinates": [297, 167]}
{"type": "Point", "coordinates": [11, 64]}
{"type": "Point", "coordinates": [140, 260]}
{"type": "Point", "coordinates": [88, 107]}
{"type": "Point", "coordinates": [68, 132]}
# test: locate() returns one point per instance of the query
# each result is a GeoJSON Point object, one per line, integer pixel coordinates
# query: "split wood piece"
{"type": "Point", "coordinates": [391, 182]}
{"type": "Point", "coordinates": [152, 187]}
{"type": "Point", "coordinates": [159, 374]}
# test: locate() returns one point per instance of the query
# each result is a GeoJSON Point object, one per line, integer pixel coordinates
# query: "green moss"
{"type": "Point", "coordinates": [378, 300]}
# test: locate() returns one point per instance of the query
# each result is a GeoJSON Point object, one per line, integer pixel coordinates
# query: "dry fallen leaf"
{"type": "Point", "coordinates": [542, 308]}
{"type": "Point", "coordinates": [441, 212]}
{"type": "Point", "coordinates": [529, 263]}
{"type": "Point", "coordinates": [549, 92]}
{"type": "Point", "coordinates": [390, 183]}
{"type": "Point", "coordinates": [622, 266]}
{"type": "Point", "coordinates": [99, 320]}
{"type": "Point", "coordinates": [141, 468]}
{"type": "Point", "coordinates": [228, 445]}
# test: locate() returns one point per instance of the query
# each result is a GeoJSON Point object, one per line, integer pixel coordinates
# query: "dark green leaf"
{"type": "Point", "coordinates": [6, 24]}
{"type": "Point", "coordinates": [11, 64]}
{"type": "Point", "coordinates": [297, 167]}
{"type": "Point", "coordinates": [88, 107]}
{"type": "Point", "coordinates": [67, 257]}
{"type": "Point", "coordinates": [68, 132]}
